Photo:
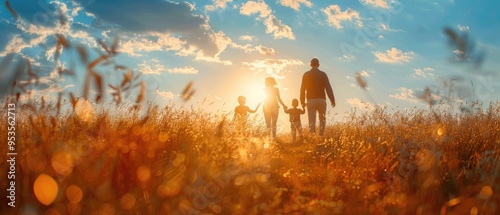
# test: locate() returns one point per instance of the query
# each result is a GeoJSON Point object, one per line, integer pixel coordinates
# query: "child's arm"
{"type": "Point", "coordinates": [303, 111]}
{"type": "Point", "coordinates": [253, 111]}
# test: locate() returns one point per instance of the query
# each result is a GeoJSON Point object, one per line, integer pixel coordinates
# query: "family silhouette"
{"type": "Point", "coordinates": [315, 86]}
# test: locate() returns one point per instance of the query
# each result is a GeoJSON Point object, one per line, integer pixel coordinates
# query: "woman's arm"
{"type": "Point", "coordinates": [279, 99]}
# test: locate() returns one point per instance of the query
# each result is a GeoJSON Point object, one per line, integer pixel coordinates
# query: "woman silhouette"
{"type": "Point", "coordinates": [271, 107]}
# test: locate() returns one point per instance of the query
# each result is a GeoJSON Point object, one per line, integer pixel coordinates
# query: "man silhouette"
{"type": "Point", "coordinates": [314, 84]}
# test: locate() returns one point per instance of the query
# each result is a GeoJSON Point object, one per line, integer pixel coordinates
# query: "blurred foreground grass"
{"type": "Point", "coordinates": [177, 161]}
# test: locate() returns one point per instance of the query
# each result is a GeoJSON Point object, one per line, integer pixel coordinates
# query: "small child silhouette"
{"type": "Point", "coordinates": [241, 111]}
{"type": "Point", "coordinates": [296, 125]}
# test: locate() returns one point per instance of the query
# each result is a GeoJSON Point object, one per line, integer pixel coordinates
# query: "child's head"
{"type": "Point", "coordinates": [242, 100]}
{"type": "Point", "coordinates": [295, 103]}
{"type": "Point", "coordinates": [270, 82]}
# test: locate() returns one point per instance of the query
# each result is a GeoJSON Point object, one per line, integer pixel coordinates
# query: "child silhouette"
{"type": "Point", "coordinates": [241, 111]}
{"type": "Point", "coordinates": [294, 113]}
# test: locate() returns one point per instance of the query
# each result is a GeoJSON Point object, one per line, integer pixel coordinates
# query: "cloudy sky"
{"type": "Point", "coordinates": [228, 47]}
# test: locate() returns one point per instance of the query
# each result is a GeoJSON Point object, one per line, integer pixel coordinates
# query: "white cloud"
{"type": "Point", "coordinates": [358, 103]}
{"type": "Point", "coordinates": [385, 27]}
{"type": "Point", "coordinates": [394, 55]}
{"type": "Point", "coordinates": [376, 3]}
{"type": "Point", "coordinates": [36, 35]}
{"type": "Point", "coordinates": [273, 67]}
{"type": "Point", "coordinates": [424, 73]}
{"type": "Point", "coordinates": [247, 38]}
{"type": "Point", "coordinates": [364, 73]}
{"type": "Point", "coordinates": [336, 16]}
{"type": "Point", "coordinates": [154, 67]}
{"type": "Point", "coordinates": [217, 4]}
{"type": "Point", "coordinates": [265, 50]}
{"type": "Point", "coordinates": [295, 4]}
{"type": "Point", "coordinates": [277, 28]}
{"type": "Point", "coordinates": [463, 28]}
{"type": "Point", "coordinates": [405, 94]}
{"type": "Point", "coordinates": [252, 7]}
{"type": "Point", "coordinates": [347, 58]}
{"type": "Point", "coordinates": [165, 94]}
{"type": "Point", "coordinates": [183, 70]}
{"type": "Point", "coordinates": [273, 25]}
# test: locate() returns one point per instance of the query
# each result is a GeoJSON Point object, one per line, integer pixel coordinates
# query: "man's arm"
{"type": "Point", "coordinates": [329, 91]}
{"type": "Point", "coordinates": [303, 90]}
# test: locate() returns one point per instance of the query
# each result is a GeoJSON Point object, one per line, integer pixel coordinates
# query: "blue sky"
{"type": "Point", "coordinates": [228, 47]}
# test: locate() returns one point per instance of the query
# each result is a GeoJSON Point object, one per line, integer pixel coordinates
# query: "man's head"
{"type": "Point", "coordinates": [241, 100]}
{"type": "Point", "coordinates": [315, 63]}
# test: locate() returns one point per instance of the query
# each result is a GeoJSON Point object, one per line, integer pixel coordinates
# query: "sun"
{"type": "Point", "coordinates": [254, 92]}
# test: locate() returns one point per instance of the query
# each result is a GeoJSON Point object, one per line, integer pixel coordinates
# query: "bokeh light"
{"type": "Point", "coordinates": [74, 194]}
{"type": "Point", "coordinates": [62, 162]}
{"type": "Point", "coordinates": [128, 201]}
{"type": "Point", "coordinates": [84, 110]}
{"type": "Point", "coordinates": [485, 193]}
{"type": "Point", "coordinates": [143, 173]}
{"type": "Point", "coordinates": [46, 189]}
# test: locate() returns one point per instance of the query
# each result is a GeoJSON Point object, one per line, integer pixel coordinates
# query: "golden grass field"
{"type": "Point", "coordinates": [183, 161]}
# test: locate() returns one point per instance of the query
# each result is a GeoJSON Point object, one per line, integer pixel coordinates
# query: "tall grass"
{"type": "Point", "coordinates": [178, 161]}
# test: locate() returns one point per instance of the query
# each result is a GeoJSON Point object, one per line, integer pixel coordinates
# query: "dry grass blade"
{"type": "Point", "coordinates": [86, 84]}
{"type": "Point", "coordinates": [104, 46]}
{"type": "Point", "coordinates": [43, 102]}
{"type": "Point", "coordinates": [113, 87]}
{"type": "Point", "coordinates": [11, 10]}
{"type": "Point", "coordinates": [114, 46]}
{"type": "Point", "coordinates": [58, 51]}
{"type": "Point", "coordinates": [451, 34]}
{"type": "Point", "coordinates": [96, 61]}
{"type": "Point", "coordinates": [31, 73]}
{"type": "Point", "coordinates": [188, 93]}
{"type": "Point", "coordinates": [73, 100]}
{"type": "Point", "coordinates": [83, 53]}
{"type": "Point", "coordinates": [23, 86]}
{"type": "Point", "coordinates": [62, 40]}
{"type": "Point", "coordinates": [58, 104]}
{"type": "Point", "coordinates": [120, 67]}
{"type": "Point", "coordinates": [126, 78]}
{"type": "Point", "coordinates": [65, 71]}
{"type": "Point", "coordinates": [117, 96]}
{"type": "Point", "coordinates": [99, 86]}
{"type": "Point", "coordinates": [142, 93]}
{"type": "Point", "coordinates": [137, 76]}
{"type": "Point", "coordinates": [187, 88]}
{"type": "Point", "coordinates": [360, 80]}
